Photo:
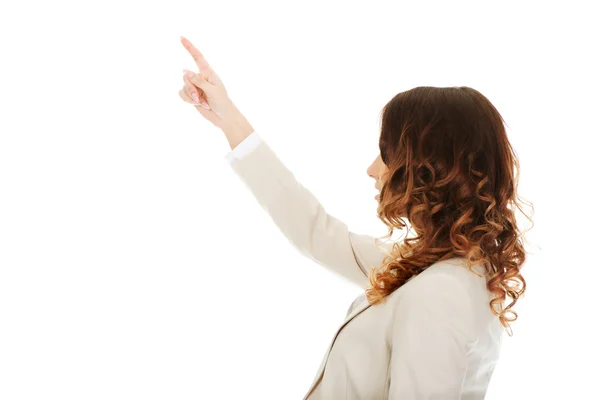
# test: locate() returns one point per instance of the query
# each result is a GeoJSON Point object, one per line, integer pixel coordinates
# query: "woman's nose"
{"type": "Point", "coordinates": [370, 173]}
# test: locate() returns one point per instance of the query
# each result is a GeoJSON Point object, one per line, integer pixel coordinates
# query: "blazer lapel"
{"type": "Point", "coordinates": [362, 306]}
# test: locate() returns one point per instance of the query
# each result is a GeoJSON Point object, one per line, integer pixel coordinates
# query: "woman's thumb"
{"type": "Point", "coordinates": [200, 81]}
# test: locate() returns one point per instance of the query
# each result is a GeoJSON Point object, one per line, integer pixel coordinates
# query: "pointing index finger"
{"type": "Point", "coordinates": [197, 56]}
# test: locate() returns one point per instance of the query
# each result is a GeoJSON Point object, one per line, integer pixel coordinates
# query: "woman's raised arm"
{"type": "Point", "coordinates": [292, 207]}
{"type": "Point", "coordinates": [300, 216]}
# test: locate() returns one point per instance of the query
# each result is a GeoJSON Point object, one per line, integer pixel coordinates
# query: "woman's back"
{"type": "Point", "coordinates": [433, 338]}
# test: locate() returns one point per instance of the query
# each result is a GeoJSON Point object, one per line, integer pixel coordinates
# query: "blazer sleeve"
{"type": "Point", "coordinates": [432, 333]}
{"type": "Point", "coordinates": [300, 216]}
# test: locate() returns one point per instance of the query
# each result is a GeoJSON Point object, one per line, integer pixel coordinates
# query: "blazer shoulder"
{"type": "Point", "coordinates": [441, 279]}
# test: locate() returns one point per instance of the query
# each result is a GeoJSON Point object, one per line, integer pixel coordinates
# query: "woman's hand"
{"type": "Point", "coordinates": [206, 91]}
{"type": "Point", "coordinates": [207, 87]}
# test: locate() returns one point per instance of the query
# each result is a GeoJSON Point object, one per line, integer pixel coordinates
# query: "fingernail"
{"type": "Point", "coordinates": [189, 74]}
{"type": "Point", "coordinates": [205, 105]}
{"type": "Point", "coordinates": [195, 97]}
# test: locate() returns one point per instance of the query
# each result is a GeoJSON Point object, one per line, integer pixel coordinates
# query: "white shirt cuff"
{"type": "Point", "coordinates": [244, 148]}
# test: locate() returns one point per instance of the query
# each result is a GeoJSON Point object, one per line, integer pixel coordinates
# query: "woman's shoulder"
{"type": "Point", "coordinates": [457, 268]}
{"type": "Point", "coordinates": [451, 276]}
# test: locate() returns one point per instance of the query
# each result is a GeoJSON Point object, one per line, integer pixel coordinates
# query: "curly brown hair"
{"type": "Point", "coordinates": [452, 176]}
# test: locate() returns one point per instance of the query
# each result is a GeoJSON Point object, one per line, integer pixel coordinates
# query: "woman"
{"type": "Point", "coordinates": [431, 321]}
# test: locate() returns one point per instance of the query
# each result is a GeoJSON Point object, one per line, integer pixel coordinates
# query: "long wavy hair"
{"type": "Point", "coordinates": [453, 175]}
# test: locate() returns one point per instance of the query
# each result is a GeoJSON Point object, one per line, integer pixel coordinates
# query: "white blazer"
{"type": "Point", "coordinates": [433, 338]}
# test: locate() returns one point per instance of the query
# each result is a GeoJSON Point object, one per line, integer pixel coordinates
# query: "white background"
{"type": "Point", "coordinates": [134, 264]}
